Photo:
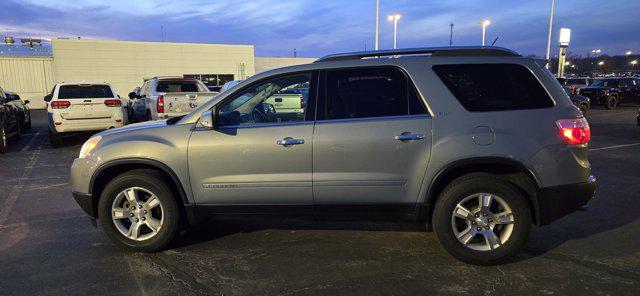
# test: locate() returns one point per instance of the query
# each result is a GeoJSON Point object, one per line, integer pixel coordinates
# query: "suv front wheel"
{"type": "Point", "coordinates": [481, 219]}
{"type": "Point", "coordinates": [138, 212]}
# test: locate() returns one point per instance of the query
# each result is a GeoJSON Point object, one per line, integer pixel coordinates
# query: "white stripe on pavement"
{"type": "Point", "coordinates": [616, 146]}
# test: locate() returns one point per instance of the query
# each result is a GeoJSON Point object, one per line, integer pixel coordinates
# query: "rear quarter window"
{"type": "Point", "coordinates": [494, 87]}
{"type": "Point", "coordinates": [89, 91]}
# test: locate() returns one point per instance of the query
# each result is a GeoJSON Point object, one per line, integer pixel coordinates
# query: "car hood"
{"type": "Point", "coordinates": [134, 127]}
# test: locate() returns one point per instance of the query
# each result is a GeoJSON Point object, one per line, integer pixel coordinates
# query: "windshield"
{"type": "Point", "coordinates": [85, 91]}
{"type": "Point", "coordinates": [606, 82]}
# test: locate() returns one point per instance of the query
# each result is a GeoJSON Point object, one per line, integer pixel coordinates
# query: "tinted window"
{"type": "Point", "coordinates": [177, 86]}
{"type": "Point", "coordinates": [372, 92]}
{"type": "Point", "coordinates": [87, 91]}
{"type": "Point", "coordinates": [606, 82]}
{"type": "Point", "coordinates": [494, 87]}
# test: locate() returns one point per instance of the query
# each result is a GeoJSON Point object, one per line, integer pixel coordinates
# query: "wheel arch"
{"type": "Point", "coordinates": [508, 169]}
{"type": "Point", "coordinates": [109, 170]}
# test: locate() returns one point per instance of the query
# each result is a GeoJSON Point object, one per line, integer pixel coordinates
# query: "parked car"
{"type": "Point", "coordinates": [583, 103]}
{"type": "Point", "coordinates": [82, 107]}
{"type": "Point", "coordinates": [610, 92]}
{"type": "Point", "coordinates": [476, 143]}
{"type": "Point", "coordinates": [166, 97]}
{"type": "Point", "coordinates": [10, 128]}
{"type": "Point", "coordinates": [23, 110]}
{"type": "Point", "coordinates": [229, 85]}
{"type": "Point", "coordinates": [576, 83]}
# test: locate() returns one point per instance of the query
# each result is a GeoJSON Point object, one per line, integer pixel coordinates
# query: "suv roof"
{"type": "Point", "coordinates": [433, 51]}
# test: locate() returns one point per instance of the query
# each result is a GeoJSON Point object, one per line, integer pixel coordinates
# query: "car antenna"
{"type": "Point", "coordinates": [494, 41]}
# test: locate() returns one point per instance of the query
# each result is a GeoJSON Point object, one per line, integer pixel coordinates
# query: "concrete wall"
{"type": "Point", "coordinates": [30, 77]}
{"type": "Point", "coordinates": [263, 64]}
{"type": "Point", "coordinates": [125, 64]}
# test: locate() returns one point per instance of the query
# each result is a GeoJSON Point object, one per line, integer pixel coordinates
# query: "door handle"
{"type": "Point", "coordinates": [409, 137]}
{"type": "Point", "coordinates": [290, 141]}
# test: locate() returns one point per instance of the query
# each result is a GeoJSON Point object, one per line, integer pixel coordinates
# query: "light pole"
{"type": "Point", "coordinates": [485, 23]}
{"type": "Point", "coordinates": [553, 5]}
{"type": "Point", "coordinates": [564, 40]}
{"type": "Point", "coordinates": [633, 64]}
{"type": "Point", "coordinates": [395, 18]}
{"type": "Point", "coordinates": [451, 35]}
{"type": "Point", "coordinates": [628, 53]}
{"type": "Point", "coordinates": [377, 21]}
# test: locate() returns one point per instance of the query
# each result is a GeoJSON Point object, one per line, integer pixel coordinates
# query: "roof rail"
{"type": "Point", "coordinates": [433, 51]}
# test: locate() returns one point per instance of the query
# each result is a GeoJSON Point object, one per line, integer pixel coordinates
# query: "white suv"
{"type": "Point", "coordinates": [82, 106]}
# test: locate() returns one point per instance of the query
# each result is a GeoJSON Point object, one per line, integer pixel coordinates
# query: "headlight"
{"type": "Point", "coordinates": [88, 146]}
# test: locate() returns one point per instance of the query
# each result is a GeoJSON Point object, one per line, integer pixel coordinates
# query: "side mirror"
{"type": "Point", "coordinates": [133, 96]}
{"type": "Point", "coordinates": [207, 119]}
{"type": "Point", "coordinates": [26, 102]}
{"type": "Point", "coordinates": [47, 98]}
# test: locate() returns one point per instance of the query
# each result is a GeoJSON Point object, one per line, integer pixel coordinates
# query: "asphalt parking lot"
{"type": "Point", "coordinates": [48, 246]}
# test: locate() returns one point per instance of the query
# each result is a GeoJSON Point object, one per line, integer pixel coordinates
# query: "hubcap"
{"type": "Point", "coordinates": [482, 221]}
{"type": "Point", "coordinates": [137, 213]}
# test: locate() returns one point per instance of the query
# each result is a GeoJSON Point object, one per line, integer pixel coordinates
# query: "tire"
{"type": "Point", "coordinates": [611, 102]}
{"type": "Point", "coordinates": [145, 182]}
{"type": "Point", "coordinates": [147, 116]}
{"type": "Point", "coordinates": [55, 139]}
{"type": "Point", "coordinates": [478, 251]}
{"type": "Point", "coordinates": [584, 109]}
{"type": "Point", "coordinates": [3, 139]}
{"type": "Point", "coordinates": [18, 132]}
{"type": "Point", "coordinates": [27, 124]}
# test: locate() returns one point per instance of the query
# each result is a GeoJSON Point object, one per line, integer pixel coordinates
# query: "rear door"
{"type": "Point", "coordinates": [87, 101]}
{"type": "Point", "coordinates": [372, 141]}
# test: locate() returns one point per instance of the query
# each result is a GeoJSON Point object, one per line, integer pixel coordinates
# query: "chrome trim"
{"type": "Point", "coordinates": [399, 117]}
{"type": "Point", "coordinates": [290, 142]}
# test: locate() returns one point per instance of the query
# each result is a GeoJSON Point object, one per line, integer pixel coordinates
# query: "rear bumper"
{"type": "Point", "coordinates": [87, 203]}
{"type": "Point", "coordinates": [558, 201]}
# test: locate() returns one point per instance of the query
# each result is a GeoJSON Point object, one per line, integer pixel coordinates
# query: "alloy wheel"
{"type": "Point", "coordinates": [137, 213]}
{"type": "Point", "coordinates": [482, 221]}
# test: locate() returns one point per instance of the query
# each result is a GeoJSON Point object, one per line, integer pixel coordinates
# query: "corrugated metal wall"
{"type": "Point", "coordinates": [30, 77]}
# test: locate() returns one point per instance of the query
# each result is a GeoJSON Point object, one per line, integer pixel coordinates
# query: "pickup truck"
{"type": "Point", "coordinates": [167, 97]}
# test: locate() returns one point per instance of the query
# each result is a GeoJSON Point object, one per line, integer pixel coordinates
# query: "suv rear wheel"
{"type": "Point", "coordinates": [55, 138]}
{"type": "Point", "coordinates": [481, 219]}
{"type": "Point", "coordinates": [138, 212]}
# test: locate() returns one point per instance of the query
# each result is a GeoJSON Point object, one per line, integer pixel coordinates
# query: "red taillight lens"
{"type": "Point", "coordinates": [160, 106]}
{"type": "Point", "coordinates": [60, 104]}
{"type": "Point", "coordinates": [113, 103]}
{"type": "Point", "coordinates": [574, 131]}
{"type": "Point", "coordinates": [301, 103]}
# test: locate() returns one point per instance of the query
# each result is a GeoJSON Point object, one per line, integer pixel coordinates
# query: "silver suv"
{"type": "Point", "coordinates": [475, 143]}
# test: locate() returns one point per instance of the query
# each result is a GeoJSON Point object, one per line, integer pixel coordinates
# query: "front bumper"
{"type": "Point", "coordinates": [558, 201]}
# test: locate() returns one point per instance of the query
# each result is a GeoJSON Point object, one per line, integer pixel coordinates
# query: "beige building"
{"type": "Point", "coordinates": [125, 64]}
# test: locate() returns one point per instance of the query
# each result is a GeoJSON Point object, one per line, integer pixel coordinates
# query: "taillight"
{"type": "Point", "coordinates": [113, 103]}
{"type": "Point", "coordinates": [160, 103]}
{"type": "Point", "coordinates": [301, 103]}
{"type": "Point", "coordinates": [574, 131]}
{"type": "Point", "coordinates": [60, 104]}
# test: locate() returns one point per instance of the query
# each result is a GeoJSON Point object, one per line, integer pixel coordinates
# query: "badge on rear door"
{"type": "Point", "coordinates": [193, 105]}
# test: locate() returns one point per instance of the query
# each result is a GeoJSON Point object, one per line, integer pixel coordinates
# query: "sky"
{"type": "Point", "coordinates": [315, 28]}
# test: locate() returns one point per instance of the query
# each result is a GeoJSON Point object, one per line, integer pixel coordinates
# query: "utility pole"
{"type": "Point", "coordinates": [295, 53]}
{"type": "Point", "coordinates": [162, 33]}
{"type": "Point", "coordinates": [377, 21]}
{"type": "Point", "coordinates": [451, 35]}
{"type": "Point", "coordinates": [553, 5]}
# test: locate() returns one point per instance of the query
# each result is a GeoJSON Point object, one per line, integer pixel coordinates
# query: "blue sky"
{"type": "Point", "coordinates": [316, 28]}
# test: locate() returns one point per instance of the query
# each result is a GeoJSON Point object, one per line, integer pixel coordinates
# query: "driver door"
{"type": "Point", "coordinates": [255, 156]}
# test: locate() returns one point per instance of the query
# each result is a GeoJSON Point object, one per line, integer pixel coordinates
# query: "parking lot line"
{"type": "Point", "coordinates": [26, 147]}
{"type": "Point", "coordinates": [7, 207]}
{"type": "Point", "coordinates": [614, 147]}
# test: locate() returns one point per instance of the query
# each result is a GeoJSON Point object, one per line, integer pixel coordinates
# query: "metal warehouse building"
{"type": "Point", "coordinates": [125, 64]}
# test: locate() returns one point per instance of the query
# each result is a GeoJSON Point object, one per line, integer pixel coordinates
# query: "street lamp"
{"type": "Point", "coordinates": [485, 23]}
{"type": "Point", "coordinates": [395, 18]}
{"type": "Point", "coordinates": [628, 53]}
{"type": "Point", "coordinates": [564, 40]}
{"type": "Point", "coordinates": [601, 63]}
{"type": "Point", "coordinates": [596, 51]}
{"type": "Point", "coordinates": [634, 63]}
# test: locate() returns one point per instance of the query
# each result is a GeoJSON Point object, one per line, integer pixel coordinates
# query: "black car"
{"type": "Point", "coordinates": [610, 92]}
{"type": "Point", "coordinates": [9, 125]}
{"type": "Point", "coordinates": [582, 102]}
{"type": "Point", "coordinates": [24, 111]}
